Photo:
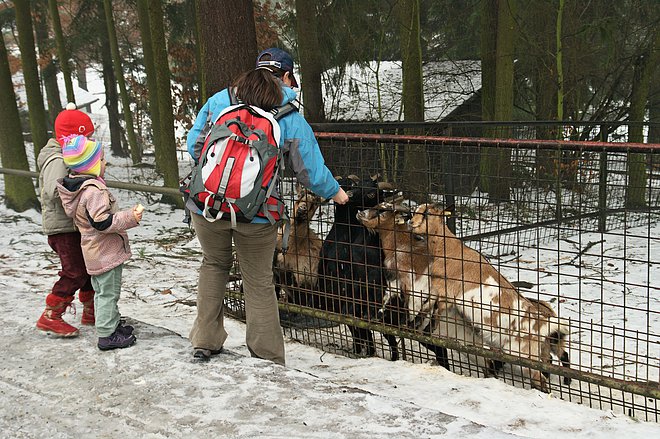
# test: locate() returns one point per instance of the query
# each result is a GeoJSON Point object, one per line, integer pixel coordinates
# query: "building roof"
{"type": "Point", "coordinates": [353, 95]}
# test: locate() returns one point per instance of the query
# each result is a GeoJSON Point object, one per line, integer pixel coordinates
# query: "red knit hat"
{"type": "Point", "coordinates": [72, 121]}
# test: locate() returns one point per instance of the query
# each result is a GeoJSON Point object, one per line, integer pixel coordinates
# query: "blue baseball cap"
{"type": "Point", "coordinates": [280, 59]}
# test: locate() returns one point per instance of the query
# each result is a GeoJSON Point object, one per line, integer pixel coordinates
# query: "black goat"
{"type": "Point", "coordinates": [351, 278]}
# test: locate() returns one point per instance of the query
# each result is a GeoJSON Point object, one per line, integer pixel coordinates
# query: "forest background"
{"type": "Point", "coordinates": [549, 60]}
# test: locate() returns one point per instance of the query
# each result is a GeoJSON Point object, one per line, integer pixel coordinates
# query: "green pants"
{"type": "Point", "coordinates": [107, 287]}
{"type": "Point", "coordinates": [255, 246]}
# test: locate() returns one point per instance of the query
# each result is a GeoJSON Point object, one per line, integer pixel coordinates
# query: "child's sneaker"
{"type": "Point", "coordinates": [117, 340]}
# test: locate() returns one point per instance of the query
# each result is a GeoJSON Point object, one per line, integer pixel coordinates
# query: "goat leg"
{"type": "Point", "coordinates": [539, 382]}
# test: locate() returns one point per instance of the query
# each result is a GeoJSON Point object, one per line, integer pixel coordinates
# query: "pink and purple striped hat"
{"type": "Point", "coordinates": [82, 156]}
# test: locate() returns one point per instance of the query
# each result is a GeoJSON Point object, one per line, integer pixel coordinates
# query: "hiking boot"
{"type": "Point", "coordinates": [51, 319]}
{"type": "Point", "coordinates": [125, 329]}
{"type": "Point", "coordinates": [204, 355]}
{"type": "Point", "coordinates": [117, 340]}
{"type": "Point", "coordinates": [87, 299]}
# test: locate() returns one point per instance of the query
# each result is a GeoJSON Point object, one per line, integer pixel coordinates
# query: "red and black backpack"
{"type": "Point", "coordinates": [239, 165]}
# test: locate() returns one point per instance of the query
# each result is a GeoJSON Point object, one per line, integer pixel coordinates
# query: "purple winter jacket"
{"type": "Point", "coordinates": [102, 226]}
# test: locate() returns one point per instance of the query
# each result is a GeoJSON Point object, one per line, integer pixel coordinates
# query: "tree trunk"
{"type": "Point", "coordinates": [415, 158]}
{"type": "Point", "coordinates": [63, 53]}
{"type": "Point", "coordinates": [644, 70]}
{"type": "Point", "coordinates": [35, 100]}
{"type": "Point", "coordinates": [150, 69]}
{"type": "Point", "coordinates": [226, 53]}
{"type": "Point", "coordinates": [560, 63]}
{"type": "Point", "coordinates": [654, 109]}
{"type": "Point", "coordinates": [496, 163]}
{"type": "Point", "coordinates": [81, 71]}
{"type": "Point", "coordinates": [546, 86]}
{"type": "Point", "coordinates": [488, 50]}
{"type": "Point", "coordinates": [165, 152]}
{"type": "Point", "coordinates": [48, 69]}
{"type": "Point", "coordinates": [117, 140]}
{"type": "Point", "coordinates": [311, 63]}
{"type": "Point", "coordinates": [506, 33]}
{"type": "Point", "coordinates": [136, 150]}
{"type": "Point", "coordinates": [488, 62]}
{"type": "Point", "coordinates": [203, 93]}
{"type": "Point", "coordinates": [19, 191]}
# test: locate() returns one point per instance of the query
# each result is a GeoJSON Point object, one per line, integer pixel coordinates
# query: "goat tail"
{"type": "Point", "coordinates": [558, 328]}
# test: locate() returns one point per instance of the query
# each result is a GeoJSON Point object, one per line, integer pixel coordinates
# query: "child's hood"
{"type": "Point", "coordinates": [70, 189]}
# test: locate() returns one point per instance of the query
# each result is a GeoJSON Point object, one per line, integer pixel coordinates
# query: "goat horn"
{"type": "Point", "coordinates": [353, 177]}
{"type": "Point", "coordinates": [384, 185]}
{"type": "Point", "coordinates": [449, 210]}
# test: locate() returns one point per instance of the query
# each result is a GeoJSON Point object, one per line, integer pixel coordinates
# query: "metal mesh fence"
{"type": "Point", "coordinates": [507, 254]}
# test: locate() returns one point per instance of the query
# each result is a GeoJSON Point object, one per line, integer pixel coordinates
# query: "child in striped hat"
{"type": "Point", "coordinates": [83, 156]}
{"type": "Point", "coordinates": [87, 200]}
{"type": "Point", "coordinates": [63, 236]}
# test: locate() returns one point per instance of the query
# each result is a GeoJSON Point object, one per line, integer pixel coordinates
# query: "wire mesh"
{"type": "Point", "coordinates": [553, 253]}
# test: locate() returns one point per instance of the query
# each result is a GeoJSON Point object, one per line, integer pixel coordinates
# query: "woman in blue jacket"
{"type": "Point", "coordinates": [268, 86]}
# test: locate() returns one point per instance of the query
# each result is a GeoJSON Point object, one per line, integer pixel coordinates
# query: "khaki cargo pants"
{"type": "Point", "coordinates": [255, 246]}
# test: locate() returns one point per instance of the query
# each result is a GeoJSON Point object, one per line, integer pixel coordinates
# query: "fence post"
{"type": "Point", "coordinates": [450, 199]}
{"type": "Point", "coordinates": [602, 184]}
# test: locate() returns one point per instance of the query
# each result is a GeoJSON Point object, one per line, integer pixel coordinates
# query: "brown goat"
{"type": "Point", "coordinates": [297, 269]}
{"type": "Point", "coordinates": [464, 279]}
{"type": "Point", "coordinates": [555, 344]}
{"type": "Point", "coordinates": [407, 265]}
{"type": "Point", "coordinates": [406, 258]}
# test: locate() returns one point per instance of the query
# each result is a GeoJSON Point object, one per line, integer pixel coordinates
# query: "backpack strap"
{"type": "Point", "coordinates": [279, 112]}
{"type": "Point", "coordinates": [50, 160]}
{"type": "Point", "coordinates": [233, 100]}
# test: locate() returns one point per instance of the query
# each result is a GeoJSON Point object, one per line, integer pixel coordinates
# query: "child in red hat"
{"type": "Point", "coordinates": [63, 236]}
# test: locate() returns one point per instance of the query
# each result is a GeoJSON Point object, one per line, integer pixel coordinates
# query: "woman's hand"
{"type": "Point", "coordinates": [340, 197]}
